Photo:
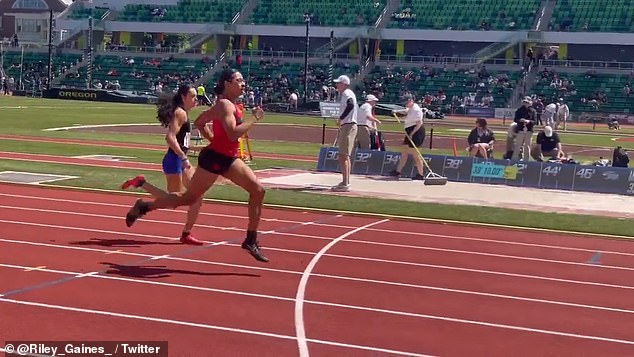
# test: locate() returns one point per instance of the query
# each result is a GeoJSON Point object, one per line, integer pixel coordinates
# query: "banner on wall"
{"type": "Point", "coordinates": [546, 175]}
{"type": "Point", "coordinates": [98, 95]}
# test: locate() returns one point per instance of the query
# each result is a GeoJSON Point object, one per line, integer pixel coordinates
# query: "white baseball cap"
{"type": "Point", "coordinates": [343, 79]}
{"type": "Point", "coordinates": [371, 98]}
{"type": "Point", "coordinates": [548, 131]}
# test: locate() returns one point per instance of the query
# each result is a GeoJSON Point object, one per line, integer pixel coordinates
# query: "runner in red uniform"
{"type": "Point", "coordinates": [219, 158]}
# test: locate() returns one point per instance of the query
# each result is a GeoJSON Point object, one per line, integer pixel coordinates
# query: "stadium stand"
{"type": "Point", "coordinates": [589, 91]}
{"type": "Point", "coordinates": [593, 15]}
{"type": "Point", "coordinates": [196, 11]}
{"type": "Point", "coordinates": [84, 13]}
{"type": "Point", "coordinates": [35, 64]}
{"type": "Point", "coordinates": [325, 12]}
{"type": "Point", "coordinates": [441, 87]}
{"type": "Point", "coordinates": [140, 74]}
{"type": "Point", "coordinates": [466, 14]}
{"type": "Point", "coordinates": [275, 79]}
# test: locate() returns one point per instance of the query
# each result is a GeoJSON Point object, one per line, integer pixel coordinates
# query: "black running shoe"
{"type": "Point", "coordinates": [418, 177]}
{"type": "Point", "coordinates": [394, 173]}
{"type": "Point", "coordinates": [254, 250]}
{"type": "Point", "coordinates": [137, 211]}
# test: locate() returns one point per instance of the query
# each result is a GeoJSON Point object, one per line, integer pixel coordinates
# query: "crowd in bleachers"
{"type": "Point", "coordinates": [589, 91]}
{"type": "Point", "coordinates": [441, 87]}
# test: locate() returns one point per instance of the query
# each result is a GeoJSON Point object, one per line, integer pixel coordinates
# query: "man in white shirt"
{"type": "Point", "coordinates": [562, 114]}
{"type": "Point", "coordinates": [415, 129]}
{"type": "Point", "coordinates": [366, 122]}
{"type": "Point", "coordinates": [347, 123]}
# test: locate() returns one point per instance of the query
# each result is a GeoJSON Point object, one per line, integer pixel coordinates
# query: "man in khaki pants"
{"type": "Point", "coordinates": [347, 123]}
{"type": "Point", "coordinates": [525, 119]}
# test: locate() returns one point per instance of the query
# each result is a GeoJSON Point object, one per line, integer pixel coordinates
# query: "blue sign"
{"type": "Point", "coordinates": [546, 175]}
{"type": "Point", "coordinates": [487, 169]}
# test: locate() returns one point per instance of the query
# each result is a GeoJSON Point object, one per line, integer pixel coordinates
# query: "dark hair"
{"type": "Point", "coordinates": [482, 122]}
{"type": "Point", "coordinates": [225, 76]}
{"type": "Point", "coordinates": [168, 102]}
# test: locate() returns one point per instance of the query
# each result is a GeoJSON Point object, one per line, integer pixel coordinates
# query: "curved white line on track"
{"type": "Point", "coordinates": [62, 128]}
{"type": "Point", "coordinates": [300, 330]}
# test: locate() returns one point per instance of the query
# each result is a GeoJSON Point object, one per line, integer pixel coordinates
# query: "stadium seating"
{"type": "Point", "coordinates": [593, 15]}
{"type": "Point", "coordinates": [185, 11]}
{"type": "Point", "coordinates": [584, 88]}
{"type": "Point", "coordinates": [84, 13]}
{"type": "Point", "coordinates": [466, 14]}
{"type": "Point", "coordinates": [392, 83]}
{"type": "Point", "coordinates": [325, 12]}
{"type": "Point", "coordinates": [278, 78]}
{"type": "Point", "coordinates": [35, 64]}
{"type": "Point", "coordinates": [141, 75]}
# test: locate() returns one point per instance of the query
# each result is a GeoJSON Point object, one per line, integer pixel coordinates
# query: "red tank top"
{"type": "Point", "coordinates": [221, 143]}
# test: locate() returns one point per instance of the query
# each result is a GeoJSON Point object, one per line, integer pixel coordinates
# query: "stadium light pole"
{"type": "Point", "coordinates": [307, 19]}
{"type": "Point", "coordinates": [49, 75]}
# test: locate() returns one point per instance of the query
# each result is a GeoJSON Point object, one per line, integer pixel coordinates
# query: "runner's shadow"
{"type": "Point", "coordinates": [160, 271]}
{"type": "Point", "coordinates": [121, 242]}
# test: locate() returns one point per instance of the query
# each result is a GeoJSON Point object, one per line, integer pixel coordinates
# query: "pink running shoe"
{"type": "Point", "coordinates": [187, 238]}
{"type": "Point", "coordinates": [134, 182]}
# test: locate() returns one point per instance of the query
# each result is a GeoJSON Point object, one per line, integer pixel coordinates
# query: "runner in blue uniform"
{"type": "Point", "coordinates": [172, 112]}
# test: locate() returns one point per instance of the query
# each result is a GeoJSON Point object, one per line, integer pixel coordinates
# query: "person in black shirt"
{"type": "Point", "coordinates": [547, 143]}
{"type": "Point", "coordinates": [481, 139]}
{"type": "Point", "coordinates": [525, 119]}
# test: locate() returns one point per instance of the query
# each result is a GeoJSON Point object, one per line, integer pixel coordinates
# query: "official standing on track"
{"type": "Point", "coordinates": [347, 130]}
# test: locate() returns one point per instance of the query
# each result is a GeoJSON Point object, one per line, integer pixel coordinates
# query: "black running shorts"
{"type": "Point", "coordinates": [214, 162]}
{"type": "Point", "coordinates": [418, 137]}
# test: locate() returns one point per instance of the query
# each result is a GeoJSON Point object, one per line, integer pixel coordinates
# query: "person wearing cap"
{"type": "Point", "coordinates": [347, 134]}
{"type": "Point", "coordinates": [548, 144]}
{"type": "Point", "coordinates": [414, 130]}
{"type": "Point", "coordinates": [525, 119]}
{"type": "Point", "coordinates": [366, 122]}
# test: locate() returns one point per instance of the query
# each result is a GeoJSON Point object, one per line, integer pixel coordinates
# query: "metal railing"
{"type": "Point", "coordinates": [294, 54]}
{"type": "Point", "coordinates": [141, 49]}
{"type": "Point", "coordinates": [448, 60]}
{"type": "Point", "coordinates": [587, 64]}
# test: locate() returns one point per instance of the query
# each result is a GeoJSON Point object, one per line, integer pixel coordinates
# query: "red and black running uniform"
{"type": "Point", "coordinates": [218, 156]}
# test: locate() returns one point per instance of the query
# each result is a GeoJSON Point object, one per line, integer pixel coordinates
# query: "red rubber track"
{"type": "Point", "coordinates": [409, 287]}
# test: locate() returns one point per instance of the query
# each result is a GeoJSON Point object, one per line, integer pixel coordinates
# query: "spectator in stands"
{"type": "Point", "coordinates": [347, 134]}
{"type": "Point", "coordinates": [525, 119]}
{"type": "Point", "coordinates": [366, 122]}
{"type": "Point", "coordinates": [414, 137]}
{"type": "Point", "coordinates": [547, 143]}
{"type": "Point", "coordinates": [481, 139]}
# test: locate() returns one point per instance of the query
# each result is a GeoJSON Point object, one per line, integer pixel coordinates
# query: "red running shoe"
{"type": "Point", "coordinates": [134, 182]}
{"type": "Point", "coordinates": [187, 238]}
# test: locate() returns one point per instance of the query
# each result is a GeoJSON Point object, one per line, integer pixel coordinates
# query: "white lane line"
{"type": "Point", "coordinates": [422, 265]}
{"type": "Point", "coordinates": [300, 329]}
{"type": "Point", "coordinates": [206, 326]}
{"type": "Point", "coordinates": [411, 233]}
{"type": "Point", "coordinates": [322, 303]}
{"type": "Point", "coordinates": [417, 247]}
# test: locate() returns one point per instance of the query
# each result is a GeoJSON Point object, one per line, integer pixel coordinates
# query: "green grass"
{"type": "Point", "coordinates": [37, 114]}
